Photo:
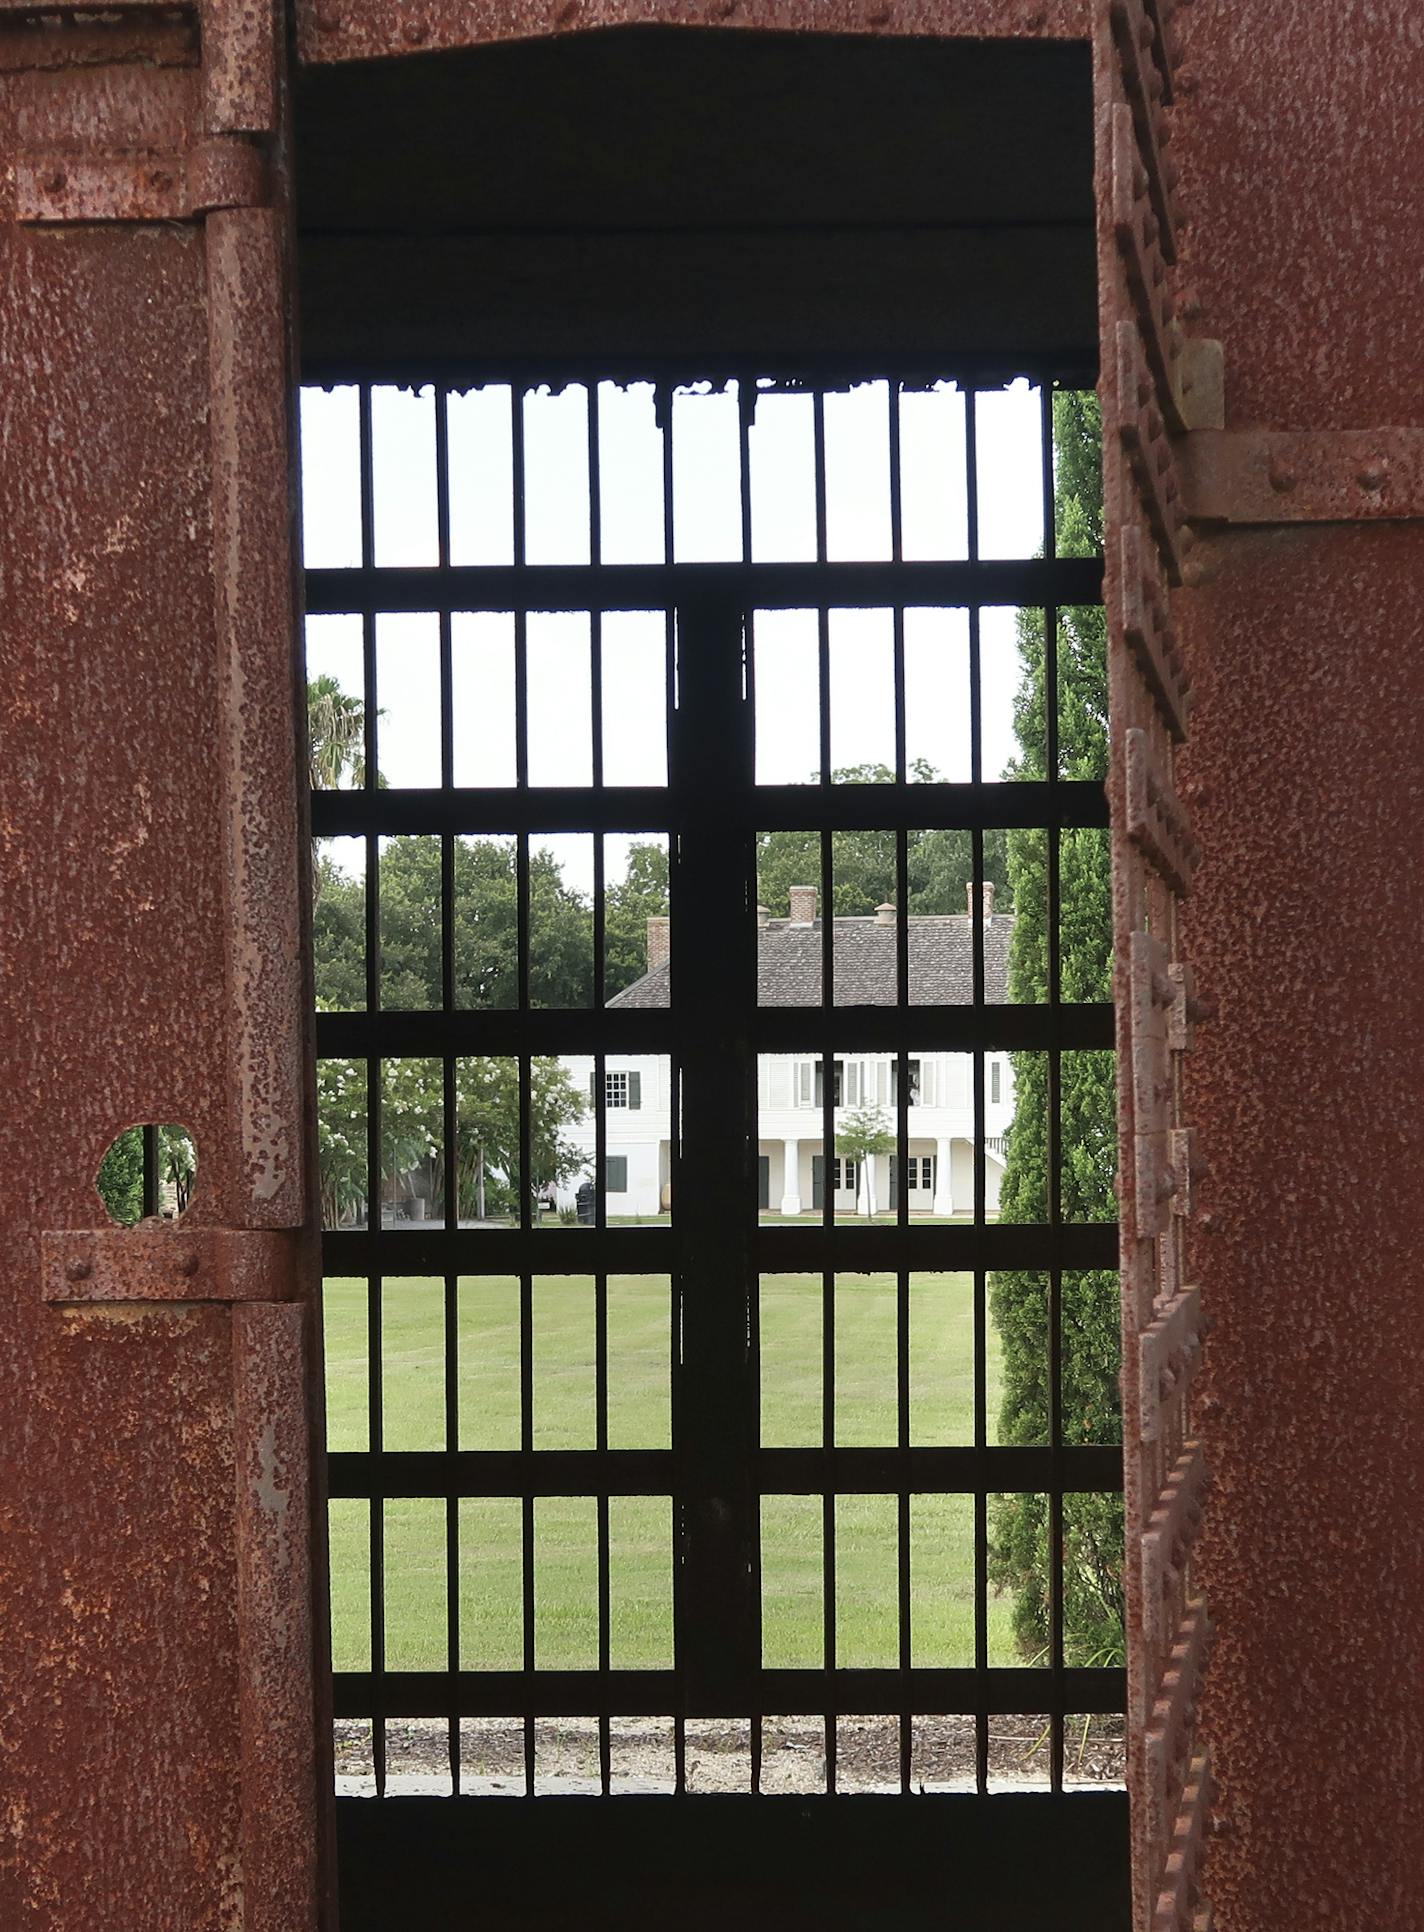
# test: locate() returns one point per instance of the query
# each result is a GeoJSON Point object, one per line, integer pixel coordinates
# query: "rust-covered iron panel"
{"type": "Point", "coordinates": [119, 1719]}
{"type": "Point", "coordinates": [369, 29]}
{"type": "Point", "coordinates": [274, 1617]}
{"type": "Point", "coordinates": [1147, 389]}
{"type": "Point", "coordinates": [156, 1704]}
{"type": "Point", "coordinates": [1305, 779]}
{"type": "Point", "coordinates": [1305, 476]}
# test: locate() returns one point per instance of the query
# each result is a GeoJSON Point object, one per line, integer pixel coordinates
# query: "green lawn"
{"type": "Point", "coordinates": [640, 1540]}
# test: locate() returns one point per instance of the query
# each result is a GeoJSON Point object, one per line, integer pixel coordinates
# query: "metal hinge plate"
{"type": "Point", "coordinates": [1261, 476]}
{"type": "Point", "coordinates": [165, 1261]}
{"type": "Point", "coordinates": [225, 171]}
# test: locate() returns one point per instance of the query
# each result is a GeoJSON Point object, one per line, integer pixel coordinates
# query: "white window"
{"type": "Point", "coordinates": [619, 1089]}
{"type": "Point", "coordinates": [914, 1070]}
{"type": "Point", "coordinates": [839, 1082]}
{"type": "Point", "coordinates": [845, 1175]}
{"type": "Point", "coordinates": [995, 1083]}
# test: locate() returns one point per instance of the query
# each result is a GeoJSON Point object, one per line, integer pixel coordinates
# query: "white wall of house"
{"type": "Point", "coordinates": [790, 1120]}
{"type": "Point", "coordinates": [637, 1128]}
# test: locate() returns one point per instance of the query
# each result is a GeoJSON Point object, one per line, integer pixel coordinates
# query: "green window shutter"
{"type": "Point", "coordinates": [616, 1174]}
{"type": "Point", "coordinates": [593, 1090]}
{"type": "Point", "coordinates": [635, 1089]}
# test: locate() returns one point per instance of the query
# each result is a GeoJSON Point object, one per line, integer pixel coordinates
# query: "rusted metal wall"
{"type": "Point", "coordinates": [364, 29]}
{"type": "Point", "coordinates": [1304, 147]}
{"type": "Point", "coordinates": [1150, 381]}
{"type": "Point", "coordinates": [157, 1733]}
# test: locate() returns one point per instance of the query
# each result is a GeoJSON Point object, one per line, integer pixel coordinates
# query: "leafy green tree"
{"type": "Point", "coordinates": [939, 865]}
{"type": "Point", "coordinates": [338, 936]}
{"type": "Point", "coordinates": [486, 1150]}
{"type": "Point", "coordinates": [1091, 1411]}
{"type": "Point", "coordinates": [120, 1176]}
{"type": "Point", "coordinates": [863, 1133]}
{"type": "Point", "coordinates": [486, 924]}
{"type": "Point", "coordinates": [628, 906]}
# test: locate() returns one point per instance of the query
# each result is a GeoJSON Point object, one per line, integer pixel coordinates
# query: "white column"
{"type": "Point", "coordinates": [791, 1177]}
{"type": "Point", "coordinates": [944, 1185]}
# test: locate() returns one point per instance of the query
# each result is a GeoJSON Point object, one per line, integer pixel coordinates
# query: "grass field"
{"type": "Point", "coordinates": [486, 1313]}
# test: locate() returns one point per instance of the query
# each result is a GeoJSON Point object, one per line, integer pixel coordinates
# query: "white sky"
{"type": "Point", "coordinates": [707, 528]}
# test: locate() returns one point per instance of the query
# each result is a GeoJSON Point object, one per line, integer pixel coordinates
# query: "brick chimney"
{"type": "Point", "coordinates": [885, 915]}
{"type": "Point", "coordinates": [763, 915]}
{"type": "Point", "coordinates": [988, 898]}
{"type": "Point", "coordinates": [658, 941]}
{"type": "Point", "coordinates": [803, 905]}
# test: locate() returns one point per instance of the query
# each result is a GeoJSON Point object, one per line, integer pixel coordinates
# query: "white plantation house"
{"type": "Point", "coordinates": [793, 1168]}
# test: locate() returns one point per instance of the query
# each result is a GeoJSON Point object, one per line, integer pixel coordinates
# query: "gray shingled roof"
{"type": "Point", "coordinates": [789, 964]}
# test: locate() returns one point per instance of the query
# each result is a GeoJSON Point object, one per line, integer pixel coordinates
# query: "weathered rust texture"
{"type": "Point", "coordinates": [1305, 777]}
{"type": "Point", "coordinates": [56, 187]}
{"type": "Point", "coordinates": [169, 1261]}
{"type": "Point", "coordinates": [1149, 371]}
{"type": "Point", "coordinates": [280, 1822]}
{"type": "Point", "coordinates": [369, 29]}
{"type": "Point", "coordinates": [239, 66]}
{"type": "Point", "coordinates": [252, 577]}
{"type": "Point", "coordinates": [1306, 781]}
{"type": "Point", "coordinates": [156, 1725]}
{"type": "Point", "coordinates": [1291, 476]}
{"type": "Point", "coordinates": [33, 44]}
{"type": "Point", "coordinates": [119, 1697]}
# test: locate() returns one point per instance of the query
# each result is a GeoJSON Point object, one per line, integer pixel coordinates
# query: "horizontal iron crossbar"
{"type": "Point", "coordinates": [1032, 581]}
{"type": "Point", "coordinates": [502, 811]}
{"type": "Point", "coordinates": [947, 1247]}
{"type": "Point", "coordinates": [790, 1693]}
{"type": "Point", "coordinates": [653, 1030]}
{"type": "Point", "coordinates": [1078, 1470]}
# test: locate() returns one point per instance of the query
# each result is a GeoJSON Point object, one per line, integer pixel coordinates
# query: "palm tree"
{"type": "Point", "coordinates": [336, 735]}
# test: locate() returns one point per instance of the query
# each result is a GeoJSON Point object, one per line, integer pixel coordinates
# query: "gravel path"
{"type": "Point", "coordinates": [719, 1756]}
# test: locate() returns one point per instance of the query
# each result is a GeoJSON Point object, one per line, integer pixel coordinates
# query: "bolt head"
{"type": "Point", "coordinates": [1282, 476]}
{"type": "Point", "coordinates": [188, 1264]}
{"type": "Point", "coordinates": [78, 1270]}
{"type": "Point", "coordinates": [1373, 475]}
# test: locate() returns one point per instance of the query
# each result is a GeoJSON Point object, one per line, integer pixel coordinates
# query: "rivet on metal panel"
{"type": "Point", "coordinates": [1299, 476]}
{"type": "Point", "coordinates": [166, 1261]}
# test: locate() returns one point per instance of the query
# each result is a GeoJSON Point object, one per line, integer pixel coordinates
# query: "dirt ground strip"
{"type": "Point", "coordinates": [718, 1755]}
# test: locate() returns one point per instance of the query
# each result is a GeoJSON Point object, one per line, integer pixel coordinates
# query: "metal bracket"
{"type": "Point", "coordinates": [163, 1261]}
{"type": "Point", "coordinates": [1265, 476]}
{"type": "Point", "coordinates": [223, 171]}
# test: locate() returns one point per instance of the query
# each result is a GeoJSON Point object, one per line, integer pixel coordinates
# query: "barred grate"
{"type": "Point", "coordinates": [706, 1471]}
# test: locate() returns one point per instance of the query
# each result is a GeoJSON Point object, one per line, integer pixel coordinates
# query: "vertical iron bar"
{"type": "Point", "coordinates": [370, 773]}
{"type": "Point", "coordinates": [981, 1312]}
{"type": "Point", "coordinates": [374, 1162]}
{"type": "Point", "coordinates": [452, 1514]}
{"type": "Point", "coordinates": [902, 1275]}
{"type": "Point", "coordinates": [746, 410]}
{"type": "Point", "coordinates": [716, 981]}
{"type": "Point", "coordinates": [152, 1179]}
{"type": "Point", "coordinates": [600, 1378]}
{"type": "Point", "coordinates": [376, 1436]}
{"type": "Point", "coordinates": [1053, 843]}
{"type": "Point", "coordinates": [828, 994]}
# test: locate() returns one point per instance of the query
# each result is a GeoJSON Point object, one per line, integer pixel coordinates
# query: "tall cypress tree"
{"type": "Point", "coordinates": [1091, 1408]}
